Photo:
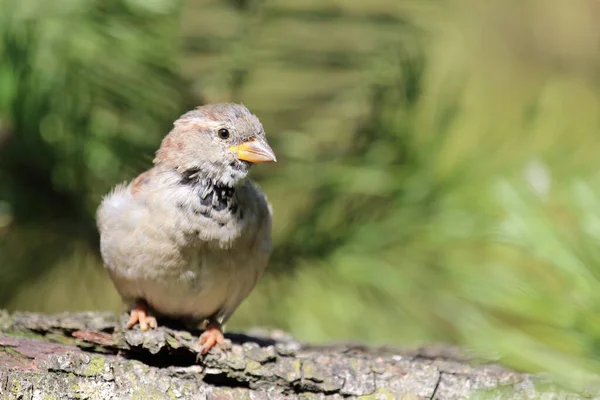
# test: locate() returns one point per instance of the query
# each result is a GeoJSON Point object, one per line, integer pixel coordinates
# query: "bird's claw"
{"type": "Point", "coordinates": [211, 337]}
{"type": "Point", "coordinates": [139, 315]}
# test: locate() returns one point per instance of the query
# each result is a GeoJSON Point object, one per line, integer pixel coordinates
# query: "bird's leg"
{"type": "Point", "coordinates": [212, 335]}
{"type": "Point", "coordinates": [139, 314]}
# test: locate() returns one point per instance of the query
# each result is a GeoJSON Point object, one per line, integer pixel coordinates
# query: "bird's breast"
{"type": "Point", "coordinates": [185, 255]}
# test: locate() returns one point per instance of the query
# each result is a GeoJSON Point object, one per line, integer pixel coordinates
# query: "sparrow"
{"type": "Point", "coordinates": [189, 238]}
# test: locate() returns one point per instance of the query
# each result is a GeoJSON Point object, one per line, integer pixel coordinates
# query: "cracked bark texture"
{"type": "Point", "coordinates": [89, 356]}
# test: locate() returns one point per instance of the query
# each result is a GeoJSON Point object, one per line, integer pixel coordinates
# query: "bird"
{"type": "Point", "coordinates": [189, 238]}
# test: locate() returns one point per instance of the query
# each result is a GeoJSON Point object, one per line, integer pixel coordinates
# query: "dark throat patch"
{"type": "Point", "coordinates": [213, 194]}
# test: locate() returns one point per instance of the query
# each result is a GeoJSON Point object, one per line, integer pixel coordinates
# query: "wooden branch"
{"type": "Point", "coordinates": [88, 355]}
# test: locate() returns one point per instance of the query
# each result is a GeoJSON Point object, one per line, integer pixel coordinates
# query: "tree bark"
{"type": "Point", "coordinates": [89, 356]}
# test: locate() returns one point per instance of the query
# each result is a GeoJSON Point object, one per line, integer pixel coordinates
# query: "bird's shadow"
{"type": "Point", "coordinates": [236, 338]}
{"type": "Point", "coordinates": [241, 338]}
{"type": "Point", "coordinates": [184, 356]}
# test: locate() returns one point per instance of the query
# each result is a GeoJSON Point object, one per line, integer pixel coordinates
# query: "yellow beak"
{"type": "Point", "coordinates": [254, 151]}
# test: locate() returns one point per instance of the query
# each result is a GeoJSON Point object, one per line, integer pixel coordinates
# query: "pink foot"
{"type": "Point", "coordinates": [139, 314]}
{"type": "Point", "coordinates": [212, 336]}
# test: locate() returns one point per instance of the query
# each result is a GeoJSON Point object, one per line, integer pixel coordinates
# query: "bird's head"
{"type": "Point", "coordinates": [217, 141]}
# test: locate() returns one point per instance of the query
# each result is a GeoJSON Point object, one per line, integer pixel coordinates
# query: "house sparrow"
{"type": "Point", "coordinates": [189, 238]}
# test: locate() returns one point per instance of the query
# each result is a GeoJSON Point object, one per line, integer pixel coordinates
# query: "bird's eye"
{"type": "Point", "coordinates": [223, 133]}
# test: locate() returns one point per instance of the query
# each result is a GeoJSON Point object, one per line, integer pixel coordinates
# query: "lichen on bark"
{"type": "Point", "coordinates": [89, 356]}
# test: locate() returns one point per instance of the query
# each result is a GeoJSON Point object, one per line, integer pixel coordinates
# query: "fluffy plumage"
{"type": "Point", "coordinates": [191, 236]}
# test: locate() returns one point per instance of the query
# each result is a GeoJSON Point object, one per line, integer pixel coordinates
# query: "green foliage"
{"type": "Point", "coordinates": [429, 187]}
{"type": "Point", "coordinates": [86, 88]}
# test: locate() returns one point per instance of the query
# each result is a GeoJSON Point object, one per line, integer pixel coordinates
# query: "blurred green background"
{"type": "Point", "coordinates": [438, 175]}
